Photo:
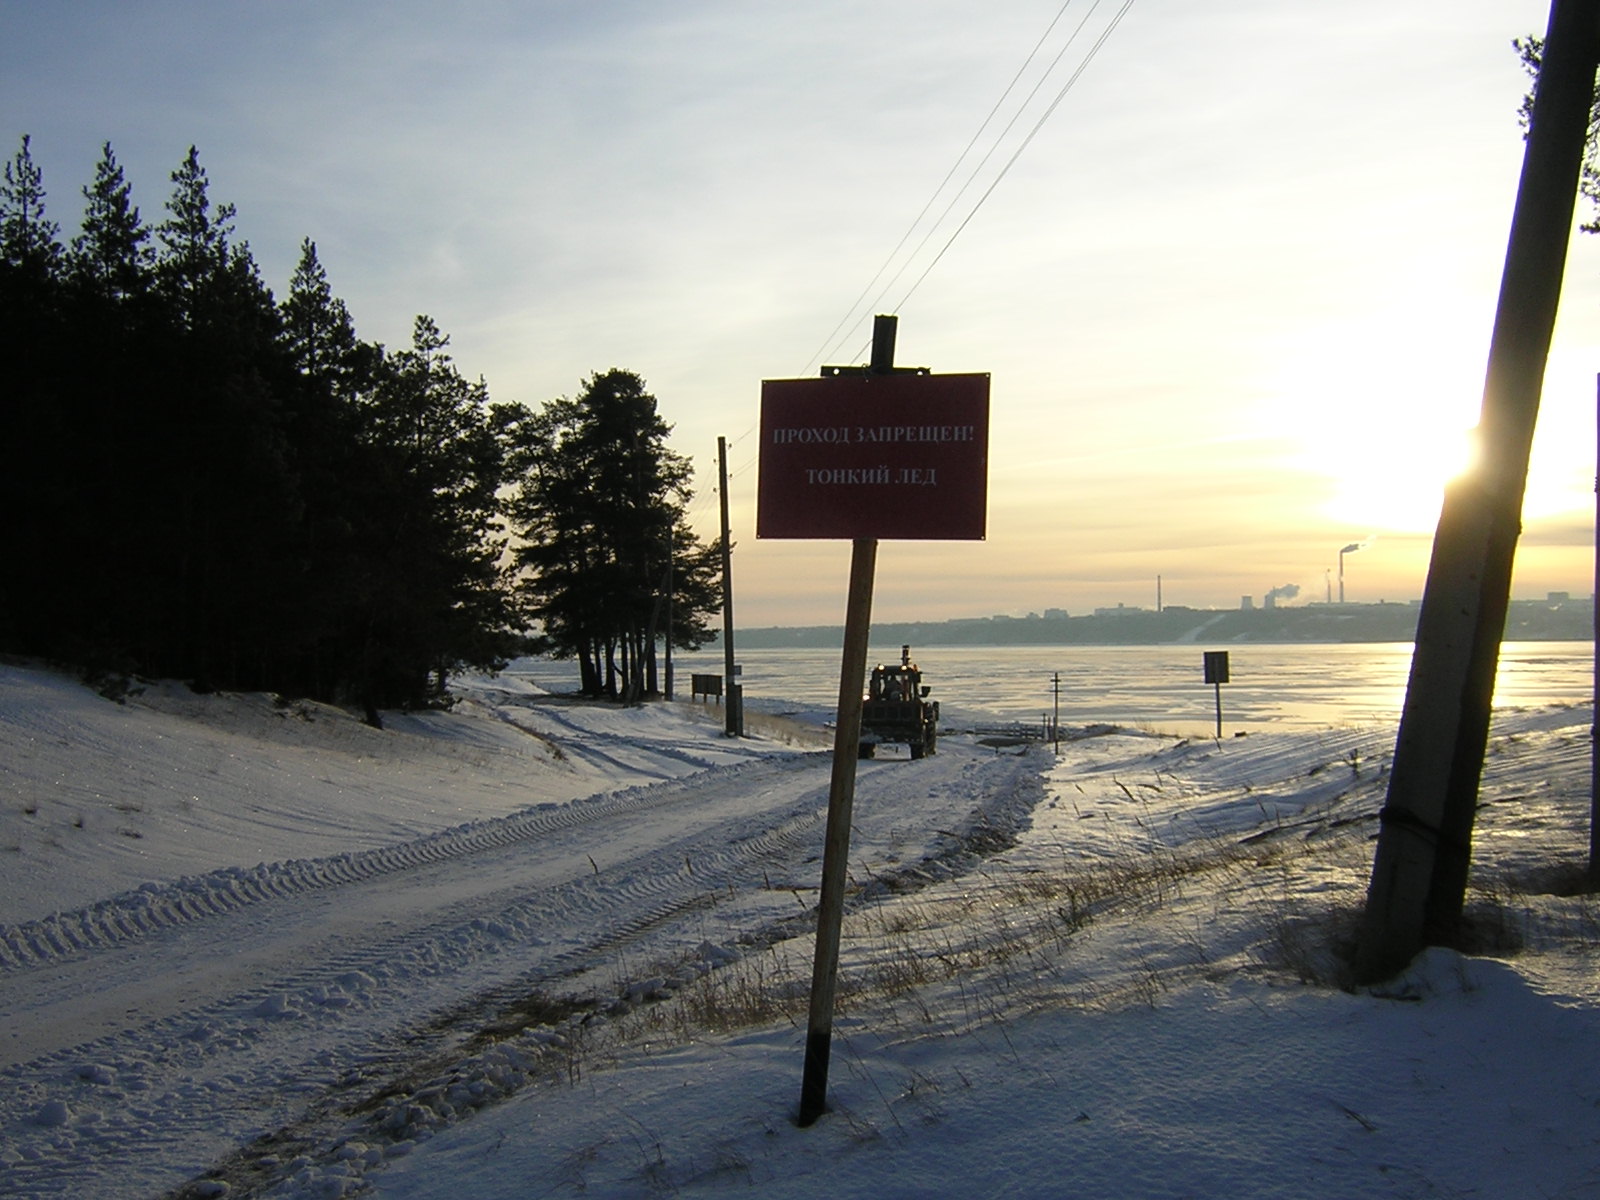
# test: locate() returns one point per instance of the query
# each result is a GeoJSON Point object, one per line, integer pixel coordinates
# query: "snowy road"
{"type": "Point", "coordinates": [440, 976]}
{"type": "Point", "coordinates": [151, 1035]}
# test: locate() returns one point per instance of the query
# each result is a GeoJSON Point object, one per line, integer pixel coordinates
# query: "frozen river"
{"type": "Point", "coordinates": [1156, 687]}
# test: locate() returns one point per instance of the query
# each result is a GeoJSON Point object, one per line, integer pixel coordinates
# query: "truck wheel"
{"type": "Point", "coordinates": [916, 750]}
{"type": "Point", "coordinates": [867, 749]}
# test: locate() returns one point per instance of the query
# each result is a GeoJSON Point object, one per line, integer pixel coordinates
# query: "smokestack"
{"type": "Point", "coordinates": [1350, 549]}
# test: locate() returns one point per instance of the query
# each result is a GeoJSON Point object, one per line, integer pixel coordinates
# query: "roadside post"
{"type": "Point", "coordinates": [1216, 669]}
{"type": "Point", "coordinates": [1055, 718]}
{"type": "Point", "coordinates": [864, 453]}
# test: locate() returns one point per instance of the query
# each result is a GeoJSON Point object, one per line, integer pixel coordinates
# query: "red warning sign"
{"type": "Point", "coordinates": [874, 456]}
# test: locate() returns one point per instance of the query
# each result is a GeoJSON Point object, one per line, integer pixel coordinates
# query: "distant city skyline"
{"type": "Point", "coordinates": [1245, 602]}
{"type": "Point", "coordinates": [1234, 294]}
{"type": "Point", "coordinates": [1570, 620]}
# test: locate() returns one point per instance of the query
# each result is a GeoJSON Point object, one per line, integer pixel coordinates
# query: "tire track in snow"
{"type": "Point", "coordinates": [362, 1008]}
{"type": "Point", "coordinates": [360, 1013]}
{"type": "Point", "coordinates": [580, 741]}
{"type": "Point", "coordinates": [155, 907]}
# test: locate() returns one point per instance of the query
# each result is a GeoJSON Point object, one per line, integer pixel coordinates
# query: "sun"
{"type": "Point", "coordinates": [1376, 429]}
{"type": "Point", "coordinates": [1393, 484]}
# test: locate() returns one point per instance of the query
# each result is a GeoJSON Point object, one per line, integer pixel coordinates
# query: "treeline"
{"type": "Point", "coordinates": [202, 482]}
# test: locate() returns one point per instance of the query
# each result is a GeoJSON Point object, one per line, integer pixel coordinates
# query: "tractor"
{"type": "Point", "coordinates": [897, 709]}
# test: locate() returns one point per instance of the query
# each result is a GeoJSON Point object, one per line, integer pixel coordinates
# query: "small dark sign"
{"type": "Point", "coordinates": [1216, 666]}
{"type": "Point", "coordinates": [874, 456]}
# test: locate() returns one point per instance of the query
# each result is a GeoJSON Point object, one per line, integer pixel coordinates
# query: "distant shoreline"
{"type": "Point", "coordinates": [1553, 620]}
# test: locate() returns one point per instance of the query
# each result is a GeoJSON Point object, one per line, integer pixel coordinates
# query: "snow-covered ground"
{"type": "Point", "coordinates": [531, 947]}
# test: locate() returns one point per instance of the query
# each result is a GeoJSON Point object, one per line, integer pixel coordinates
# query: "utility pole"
{"type": "Point", "coordinates": [1419, 870]}
{"type": "Point", "coordinates": [842, 789]}
{"type": "Point", "coordinates": [1594, 727]}
{"type": "Point", "coordinates": [1055, 720]}
{"type": "Point", "coordinates": [670, 582]}
{"type": "Point", "coordinates": [733, 702]}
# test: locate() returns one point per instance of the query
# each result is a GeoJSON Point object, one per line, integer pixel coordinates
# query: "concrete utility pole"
{"type": "Point", "coordinates": [1594, 728]}
{"type": "Point", "coordinates": [1419, 871]}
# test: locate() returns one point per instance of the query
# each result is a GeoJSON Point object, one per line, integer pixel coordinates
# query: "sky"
{"type": "Point", "coordinates": [1234, 293]}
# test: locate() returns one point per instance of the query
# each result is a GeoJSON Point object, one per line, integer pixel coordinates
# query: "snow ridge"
{"type": "Point", "coordinates": [335, 1158]}
{"type": "Point", "coordinates": [157, 906]}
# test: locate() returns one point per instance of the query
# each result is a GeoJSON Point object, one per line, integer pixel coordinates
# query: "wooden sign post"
{"type": "Point", "coordinates": [864, 454]}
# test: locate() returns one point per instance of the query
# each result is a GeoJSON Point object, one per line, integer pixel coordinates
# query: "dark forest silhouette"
{"type": "Point", "coordinates": [204, 483]}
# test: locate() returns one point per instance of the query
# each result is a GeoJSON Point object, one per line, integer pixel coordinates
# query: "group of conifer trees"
{"type": "Point", "coordinates": [201, 482]}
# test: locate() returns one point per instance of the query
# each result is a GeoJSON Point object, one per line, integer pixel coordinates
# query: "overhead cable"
{"type": "Point", "coordinates": [822, 350]}
{"type": "Point", "coordinates": [1010, 162]}
{"type": "Point", "coordinates": [851, 316]}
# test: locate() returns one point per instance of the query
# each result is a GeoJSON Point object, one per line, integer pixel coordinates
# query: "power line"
{"type": "Point", "coordinates": [1038, 125]}
{"type": "Point", "coordinates": [994, 146]}
{"type": "Point", "coordinates": [851, 314]}
{"type": "Point", "coordinates": [822, 350]}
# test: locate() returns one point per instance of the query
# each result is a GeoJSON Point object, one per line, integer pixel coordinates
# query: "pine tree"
{"type": "Point", "coordinates": [210, 486]}
{"type": "Point", "coordinates": [600, 511]}
{"type": "Point", "coordinates": [438, 597]}
{"type": "Point", "coordinates": [112, 257]}
{"type": "Point", "coordinates": [323, 415]}
{"type": "Point", "coordinates": [29, 242]}
{"type": "Point", "coordinates": [35, 429]}
{"type": "Point", "coordinates": [222, 501]}
{"type": "Point", "coordinates": [196, 241]}
{"type": "Point", "coordinates": [317, 328]}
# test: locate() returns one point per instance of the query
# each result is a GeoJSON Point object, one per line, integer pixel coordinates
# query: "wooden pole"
{"type": "Point", "coordinates": [836, 848]}
{"type": "Point", "coordinates": [669, 615]}
{"type": "Point", "coordinates": [1419, 870]}
{"type": "Point", "coordinates": [841, 791]}
{"type": "Point", "coordinates": [732, 709]}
